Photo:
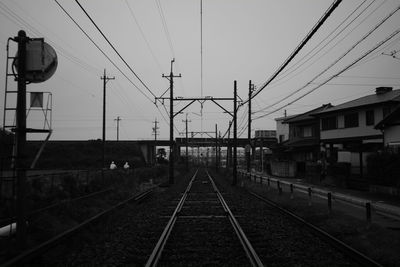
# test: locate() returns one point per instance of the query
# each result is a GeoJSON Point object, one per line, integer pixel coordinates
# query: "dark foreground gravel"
{"type": "Point", "coordinates": [126, 237]}
{"type": "Point", "coordinates": [278, 240]}
{"type": "Point", "coordinates": [130, 234]}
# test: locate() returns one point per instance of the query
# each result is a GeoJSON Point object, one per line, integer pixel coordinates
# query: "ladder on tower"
{"type": "Point", "coordinates": [10, 109]}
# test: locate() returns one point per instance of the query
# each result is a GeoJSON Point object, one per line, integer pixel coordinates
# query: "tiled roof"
{"type": "Point", "coordinates": [307, 115]}
{"type": "Point", "coordinates": [285, 118]}
{"type": "Point", "coordinates": [389, 118]}
{"type": "Point", "coordinates": [366, 101]}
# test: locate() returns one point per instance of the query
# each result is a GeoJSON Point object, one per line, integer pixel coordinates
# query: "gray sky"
{"type": "Point", "coordinates": [242, 40]}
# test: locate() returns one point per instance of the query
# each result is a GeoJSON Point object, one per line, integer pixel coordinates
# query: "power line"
{"type": "Point", "coordinates": [143, 35]}
{"type": "Point", "coordinates": [299, 47]}
{"type": "Point", "coordinates": [165, 26]}
{"type": "Point", "coordinates": [337, 60]}
{"type": "Point", "coordinates": [115, 50]}
{"type": "Point", "coordinates": [95, 44]}
{"type": "Point", "coordinates": [332, 36]}
{"type": "Point", "coordinates": [335, 75]}
{"type": "Point", "coordinates": [168, 36]}
{"type": "Point", "coordinates": [377, 54]}
{"type": "Point", "coordinates": [15, 18]}
{"type": "Point", "coordinates": [339, 41]}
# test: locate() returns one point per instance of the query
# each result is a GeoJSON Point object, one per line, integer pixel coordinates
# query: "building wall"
{"type": "Point", "coordinates": [264, 133]}
{"type": "Point", "coordinates": [361, 130]}
{"type": "Point", "coordinates": [282, 129]}
{"type": "Point", "coordinates": [392, 135]}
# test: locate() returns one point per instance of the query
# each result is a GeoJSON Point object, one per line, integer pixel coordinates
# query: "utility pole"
{"type": "Point", "coordinates": [105, 80]}
{"type": "Point", "coordinates": [187, 155]}
{"type": "Point", "coordinates": [234, 180]}
{"type": "Point", "coordinates": [155, 133]}
{"type": "Point", "coordinates": [216, 147]}
{"type": "Point", "coordinates": [229, 148]}
{"type": "Point", "coordinates": [219, 150]}
{"type": "Point", "coordinates": [117, 119]}
{"type": "Point", "coordinates": [171, 122]}
{"type": "Point", "coordinates": [251, 88]}
{"type": "Point", "coordinates": [20, 165]}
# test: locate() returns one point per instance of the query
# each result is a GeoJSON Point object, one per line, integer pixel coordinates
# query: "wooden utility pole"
{"type": "Point", "coordinates": [234, 180]}
{"type": "Point", "coordinates": [105, 80]}
{"type": "Point", "coordinates": [187, 155]}
{"type": "Point", "coordinates": [171, 77]}
{"type": "Point", "coordinates": [216, 148]}
{"type": "Point", "coordinates": [248, 160]}
{"type": "Point", "coordinates": [155, 133]}
{"type": "Point", "coordinates": [229, 148]}
{"type": "Point", "coordinates": [118, 120]}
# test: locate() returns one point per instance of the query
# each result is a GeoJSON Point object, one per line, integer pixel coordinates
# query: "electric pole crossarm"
{"type": "Point", "coordinates": [184, 108]}
{"type": "Point", "coordinates": [230, 113]}
{"type": "Point", "coordinates": [203, 98]}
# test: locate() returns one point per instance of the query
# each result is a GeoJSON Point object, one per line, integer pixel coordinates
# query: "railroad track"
{"type": "Point", "coordinates": [203, 231]}
{"type": "Point", "coordinates": [352, 253]}
{"type": "Point", "coordinates": [35, 252]}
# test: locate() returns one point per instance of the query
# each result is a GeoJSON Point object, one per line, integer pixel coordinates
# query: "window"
{"type": "Point", "coordinates": [386, 111]}
{"type": "Point", "coordinates": [281, 138]}
{"type": "Point", "coordinates": [329, 123]}
{"type": "Point", "coordinates": [351, 120]}
{"type": "Point", "coordinates": [369, 117]}
{"type": "Point", "coordinates": [306, 131]}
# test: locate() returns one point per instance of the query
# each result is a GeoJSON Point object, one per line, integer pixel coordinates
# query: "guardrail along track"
{"type": "Point", "coordinates": [200, 231]}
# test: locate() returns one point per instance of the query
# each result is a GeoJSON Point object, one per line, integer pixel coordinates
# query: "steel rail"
{"type": "Point", "coordinates": [340, 245]}
{"type": "Point", "coordinates": [25, 256]}
{"type": "Point", "coordinates": [248, 248]}
{"type": "Point", "coordinates": [156, 253]}
{"type": "Point", "coordinates": [7, 221]}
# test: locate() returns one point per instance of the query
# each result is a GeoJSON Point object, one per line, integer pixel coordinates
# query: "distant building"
{"type": "Point", "coordinates": [265, 134]}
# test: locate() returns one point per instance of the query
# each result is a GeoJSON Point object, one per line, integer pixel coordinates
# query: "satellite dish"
{"type": "Point", "coordinates": [41, 61]}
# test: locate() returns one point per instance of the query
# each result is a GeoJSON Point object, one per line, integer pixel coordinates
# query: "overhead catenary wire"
{"type": "Point", "coordinates": [298, 48]}
{"type": "Point", "coordinates": [336, 61]}
{"type": "Point", "coordinates": [335, 75]}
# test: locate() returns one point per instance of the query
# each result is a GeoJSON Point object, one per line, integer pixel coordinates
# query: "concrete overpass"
{"type": "Point", "coordinates": [148, 147]}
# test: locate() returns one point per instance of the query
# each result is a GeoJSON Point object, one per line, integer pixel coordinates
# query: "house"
{"type": "Point", "coordinates": [298, 142]}
{"type": "Point", "coordinates": [282, 129]}
{"type": "Point", "coordinates": [304, 137]}
{"type": "Point", "coordinates": [390, 127]}
{"type": "Point", "coordinates": [347, 131]}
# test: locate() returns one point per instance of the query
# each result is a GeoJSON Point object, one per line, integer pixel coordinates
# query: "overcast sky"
{"type": "Point", "coordinates": [242, 40]}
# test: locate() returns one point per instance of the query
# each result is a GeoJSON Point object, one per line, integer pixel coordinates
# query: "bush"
{"type": "Point", "coordinates": [384, 169]}
{"type": "Point", "coordinates": [338, 173]}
